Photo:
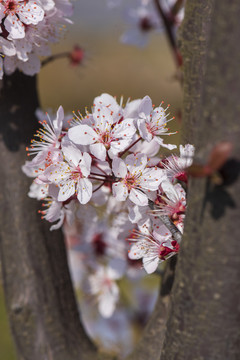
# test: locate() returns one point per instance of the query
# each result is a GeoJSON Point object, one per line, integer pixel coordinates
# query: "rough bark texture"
{"type": "Point", "coordinates": [204, 315]}
{"type": "Point", "coordinates": [150, 344]}
{"type": "Point", "coordinates": [39, 296]}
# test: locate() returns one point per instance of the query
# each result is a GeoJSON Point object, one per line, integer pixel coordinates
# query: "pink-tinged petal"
{"type": "Point", "coordinates": [167, 146]}
{"type": "Point", "coordinates": [138, 197]}
{"type": "Point", "coordinates": [145, 106]}
{"type": "Point", "coordinates": [14, 26]}
{"type": "Point", "coordinates": [169, 190]}
{"type": "Point", "coordinates": [150, 264]}
{"type": "Point", "coordinates": [119, 168]}
{"type": "Point", "coordinates": [151, 178]}
{"type": "Point", "coordinates": [118, 146]}
{"type": "Point", "coordinates": [30, 13]}
{"type": "Point", "coordinates": [103, 118]}
{"type": "Point", "coordinates": [10, 65]}
{"type": "Point", "coordinates": [120, 191]}
{"type": "Point", "coordinates": [161, 232]}
{"type": "Point", "coordinates": [136, 163]}
{"type": "Point", "coordinates": [99, 151]}
{"type": "Point", "coordinates": [30, 67]}
{"type": "Point", "coordinates": [108, 101]}
{"type": "Point", "coordinates": [145, 134]}
{"type": "Point", "coordinates": [84, 191]}
{"type": "Point", "coordinates": [86, 163]}
{"type": "Point", "coordinates": [137, 251]}
{"type": "Point", "coordinates": [7, 47]}
{"type": "Point", "coordinates": [107, 301]}
{"type": "Point", "coordinates": [82, 135]}
{"type": "Point", "coordinates": [57, 172]}
{"type": "Point", "coordinates": [137, 213]}
{"type": "Point", "coordinates": [65, 7]}
{"type": "Point", "coordinates": [159, 116]}
{"type": "Point", "coordinates": [54, 211]}
{"type": "Point", "coordinates": [53, 191]}
{"type": "Point", "coordinates": [72, 154]}
{"type": "Point", "coordinates": [66, 191]}
{"type": "Point", "coordinates": [131, 109]}
{"type": "Point", "coordinates": [125, 129]}
{"type": "Point", "coordinates": [58, 122]}
{"type": "Point", "coordinates": [59, 223]}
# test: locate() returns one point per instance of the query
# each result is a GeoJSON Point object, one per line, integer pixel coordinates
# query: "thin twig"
{"type": "Point", "coordinates": [55, 57]}
{"type": "Point", "coordinates": [168, 23]}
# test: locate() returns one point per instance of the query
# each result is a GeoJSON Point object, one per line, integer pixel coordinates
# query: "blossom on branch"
{"type": "Point", "coordinates": [27, 28]}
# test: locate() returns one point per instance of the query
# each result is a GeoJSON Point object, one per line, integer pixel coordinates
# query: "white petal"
{"type": "Point", "coordinates": [86, 163]}
{"type": "Point", "coordinates": [145, 106]}
{"type": "Point", "coordinates": [99, 151]}
{"type": "Point", "coordinates": [138, 197]}
{"type": "Point", "coordinates": [119, 168]}
{"type": "Point", "coordinates": [167, 146]}
{"type": "Point", "coordinates": [151, 178]}
{"type": "Point", "coordinates": [82, 135]}
{"type": "Point", "coordinates": [145, 134]}
{"type": "Point", "coordinates": [66, 191]}
{"type": "Point", "coordinates": [7, 47]}
{"type": "Point", "coordinates": [14, 26]}
{"type": "Point", "coordinates": [118, 146]}
{"type": "Point", "coordinates": [103, 118]}
{"type": "Point", "coordinates": [84, 191]}
{"type": "Point", "coordinates": [72, 154]}
{"type": "Point", "coordinates": [30, 13]}
{"type": "Point", "coordinates": [137, 251]}
{"type": "Point", "coordinates": [57, 123]}
{"type": "Point", "coordinates": [150, 264]}
{"type": "Point", "coordinates": [131, 109]}
{"type": "Point", "coordinates": [136, 163]}
{"type": "Point", "coordinates": [125, 129]}
{"type": "Point", "coordinates": [120, 191]}
{"type": "Point", "coordinates": [30, 67]}
{"type": "Point", "coordinates": [107, 301]}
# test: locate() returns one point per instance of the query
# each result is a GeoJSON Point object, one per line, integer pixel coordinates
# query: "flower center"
{"type": "Point", "coordinates": [11, 6]}
{"type": "Point", "coordinates": [130, 181]}
{"type": "Point", "coordinates": [106, 139]}
{"type": "Point", "coordinates": [76, 174]}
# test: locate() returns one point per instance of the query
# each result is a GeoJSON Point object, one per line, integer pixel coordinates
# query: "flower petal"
{"type": "Point", "coordinates": [84, 191]}
{"type": "Point", "coordinates": [82, 135]}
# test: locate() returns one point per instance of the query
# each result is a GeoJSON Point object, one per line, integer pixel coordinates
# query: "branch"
{"type": "Point", "coordinates": [40, 300]}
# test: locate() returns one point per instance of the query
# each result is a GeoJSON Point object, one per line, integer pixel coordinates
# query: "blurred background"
{"type": "Point", "coordinates": [108, 66]}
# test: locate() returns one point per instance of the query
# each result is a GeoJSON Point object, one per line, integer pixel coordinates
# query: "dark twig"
{"type": "Point", "coordinates": [51, 58]}
{"type": "Point", "coordinates": [168, 23]}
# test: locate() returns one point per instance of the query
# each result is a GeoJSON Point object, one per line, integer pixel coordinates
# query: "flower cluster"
{"type": "Point", "coordinates": [103, 172]}
{"type": "Point", "coordinates": [27, 28]}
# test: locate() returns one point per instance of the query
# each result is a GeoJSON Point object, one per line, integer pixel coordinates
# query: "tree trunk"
{"type": "Point", "coordinates": [204, 314]}
{"type": "Point", "coordinates": [39, 296]}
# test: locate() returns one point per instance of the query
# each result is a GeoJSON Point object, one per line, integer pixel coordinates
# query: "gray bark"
{"type": "Point", "coordinates": [204, 314]}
